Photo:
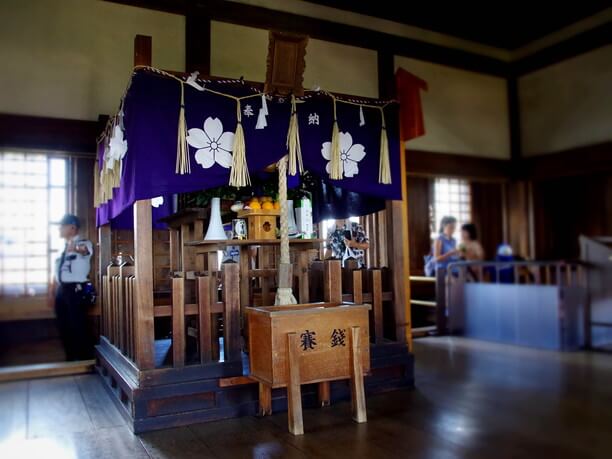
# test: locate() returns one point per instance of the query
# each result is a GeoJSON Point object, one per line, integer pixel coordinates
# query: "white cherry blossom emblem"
{"type": "Point", "coordinates": [214, 145]}
{"type": "Point", "coordinates": [350, 155]}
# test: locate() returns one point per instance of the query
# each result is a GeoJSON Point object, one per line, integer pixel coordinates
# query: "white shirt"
{"type": "Point", "coordinates": [74, 267]}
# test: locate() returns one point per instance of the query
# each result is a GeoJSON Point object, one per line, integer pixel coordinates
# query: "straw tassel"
{"type": "Point", "coordinates": [335, 172]}
{"type": "Point", "coordinates": [384, 168]}
{"type": "Point", "coordinates": [182, 150]}
{"type": "Point", "coordinates": [361, 117]}
{"type": "Point", "coordinates": [239, 175]}
{"type": "Point", "coordinates": [96, 183]}
{"type": "Point", "coordinates": [293, 141]}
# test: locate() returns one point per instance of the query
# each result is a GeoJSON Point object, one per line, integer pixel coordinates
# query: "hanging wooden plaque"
{"type": "Point", "coordinates": [285, 72]}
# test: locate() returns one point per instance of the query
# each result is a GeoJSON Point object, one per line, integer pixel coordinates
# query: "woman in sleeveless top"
{"type": "Point", "coordinates": [445, 246]}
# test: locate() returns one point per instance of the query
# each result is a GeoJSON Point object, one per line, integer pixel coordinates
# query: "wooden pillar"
{"type": "Point", "coordinates": [175, 250]}
{"type": "Point", "coordinates": [333, 281]}
{"type": "Point", "coordinates": [104, 251]}
{"type": "Point", "coordinates": [332, 287]}
{"type": "Point", "coordinates": [231, 311]}
{"type": "Point", "coordinates": [519, 209]}
{"type": "Point", "coordinates": [178, 322]}
{"type": "Point", "coordinates": [204, 286]}
{"type": "Point", "coordinates": [143, 268]}
{"type": "Point", "coordinates": [399, 256]}
{"type": "Point", "coordinates": [377, 306]}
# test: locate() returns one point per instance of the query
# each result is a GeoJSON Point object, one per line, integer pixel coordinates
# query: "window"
{"type": "Point", "coordinates": [33, 198]}
{"type": "Point", "coordinates": [451, 197]}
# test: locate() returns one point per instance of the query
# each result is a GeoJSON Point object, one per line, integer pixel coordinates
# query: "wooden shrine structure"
{"type": "Point", "coordinates": [199, 372]}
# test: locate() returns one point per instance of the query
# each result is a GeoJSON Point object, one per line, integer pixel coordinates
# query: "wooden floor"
{"type": "Point", "coordinates": [473, 400]}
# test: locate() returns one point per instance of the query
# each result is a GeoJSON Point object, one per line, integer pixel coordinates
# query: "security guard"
{"type": "Point", "coordinates": [72, 272]}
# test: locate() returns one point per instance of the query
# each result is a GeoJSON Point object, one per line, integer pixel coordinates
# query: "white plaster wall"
{"type": "Point", "coordinates": [242, 51]}
{"type": "Point", "coordinates": [237, 51]}
{"type": "Point", "coordinates": [341, 68]}
{"type": "Point", "coordinates": [465, 112]}
{"type": "Point", "coordinates": [73, 58]}
{"type": "Point", "coordinates": [568, 104]}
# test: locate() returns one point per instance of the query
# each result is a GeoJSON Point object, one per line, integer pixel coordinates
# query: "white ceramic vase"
{"type": "Point", "coordinates": [215, 226]}
{"type": "Point", "coordinates": [291, 217]}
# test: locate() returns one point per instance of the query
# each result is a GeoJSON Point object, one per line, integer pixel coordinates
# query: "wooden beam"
{"type": "Point", "coordinates": [574, 46]}
{"type": "Point", "coordinates": [197, 40]}
{"type": "Point", "coordinates": [143, 267]}
{"type": "Point", "coordinates": [142, 50]}
{"type": "Point", "coordinates": [431, 164]}
{"type": "Point", "coordinates": [514, 118]}
{"type": "Point", "coordinates": [386, 71]}
{"type": "Point", "coordinates": [45, 370]}
{"type": "Point", "coordinates": [67, 135]}
{"type": "Point", "coordinates": [266, 18]}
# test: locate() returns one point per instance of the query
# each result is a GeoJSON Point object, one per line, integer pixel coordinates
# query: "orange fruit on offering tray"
{"type": "Point", "coordinates": [277, 205]}
{"type": "Point", "coordinates": [267, 205]}
{"type": "Point", "coordinates": [255, 205]}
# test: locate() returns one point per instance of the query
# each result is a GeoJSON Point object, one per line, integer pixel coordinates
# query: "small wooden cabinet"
{"type": "Point", "coordinates": [261, 223]}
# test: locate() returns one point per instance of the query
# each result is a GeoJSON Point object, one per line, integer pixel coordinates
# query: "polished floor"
{"type": "Point", "coordinates": [472, 400]}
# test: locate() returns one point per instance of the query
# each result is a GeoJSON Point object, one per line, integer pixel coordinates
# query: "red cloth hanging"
{"type": "Point", "coordinates": [409, 89]}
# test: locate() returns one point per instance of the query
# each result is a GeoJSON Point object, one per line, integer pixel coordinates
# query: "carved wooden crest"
{"type": "Point", "coordinates": [285, 72]}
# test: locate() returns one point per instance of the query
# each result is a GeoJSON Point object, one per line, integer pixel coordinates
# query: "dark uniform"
{"type": "Point", "coordinates": [72, 273]}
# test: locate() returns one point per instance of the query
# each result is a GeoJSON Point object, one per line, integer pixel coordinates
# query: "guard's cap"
{"type": "Point", "coordinates": [70, 219]}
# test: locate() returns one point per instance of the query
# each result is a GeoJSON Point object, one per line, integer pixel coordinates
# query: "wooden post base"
{"type": "Point", "coordinates": [357, 389]}
{"type": "Point", "coordinates": [324, 394]}
{"type": "Point", "coordinates": [265, 400]}
{"type": "Point", "coordinates": [294, 392]}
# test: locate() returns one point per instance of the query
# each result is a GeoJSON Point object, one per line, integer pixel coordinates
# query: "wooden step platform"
{"type": "Point", "coordinates": [173, 397]}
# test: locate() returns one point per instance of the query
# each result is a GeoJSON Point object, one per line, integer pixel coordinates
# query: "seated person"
{"type": "Point", "coordinates": [471, 249]}
{"type": "Point", "coordinates": [346, 243]}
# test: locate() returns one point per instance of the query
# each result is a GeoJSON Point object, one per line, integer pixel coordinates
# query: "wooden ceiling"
{"type": "Point", "coordinates": [503, 24]}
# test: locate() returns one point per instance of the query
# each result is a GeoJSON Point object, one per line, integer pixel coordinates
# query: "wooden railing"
{"type": "Point", "coordinates": [531, 303]}
{"type": "Point", "coordinates": [117, 321]}
{"type": "Point", "coordinates": [558, 273]}
{"type": "Point", "coordinates": [329, 281]}
{"type": "Point", "coordinates": [208, 298]}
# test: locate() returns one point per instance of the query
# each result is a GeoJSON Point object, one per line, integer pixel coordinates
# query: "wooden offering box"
{"type": "Point", "coordinates": [309, 343]}
{"type": "Point", "coordinates": [261, 223]}
{"type": "Point", "coordinates": [323, 333]}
